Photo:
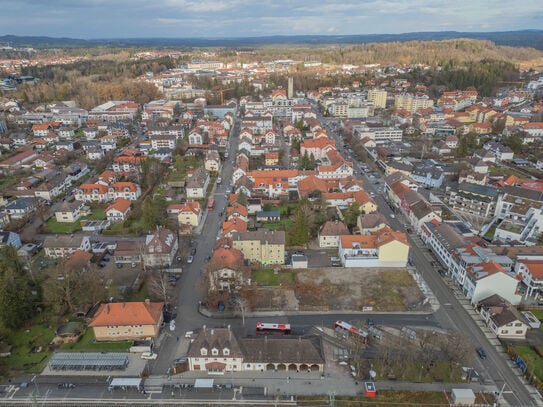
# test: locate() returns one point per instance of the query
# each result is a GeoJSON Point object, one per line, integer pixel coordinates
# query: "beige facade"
{"type": "Point", "coordinates": [262, 246]}
{"type": "Point", "coordinates": [125, 332]}
{"type": "Point", "coordinates": [378, 97]}
{"type": "Point", "coordinates": [393, 252]}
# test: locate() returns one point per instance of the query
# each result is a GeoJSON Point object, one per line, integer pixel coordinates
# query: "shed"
{"type": "Point", "coordinates": [299, 261]}
{"type": "Point", "coordinates": [126, 382]}
{"type": "Point", "coordinates": [464, 397]}
{"type": "Point", "coordinates": [203, 384]}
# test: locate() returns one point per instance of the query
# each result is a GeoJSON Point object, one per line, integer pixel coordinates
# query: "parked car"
{"type": "Point", "coordinates": [66, 386]}
{"type": "Point", "coordinates": [172, 325]}
{"type": "Point", "coordinates": [149, 355]}
{"type": "Point", "coordinates": [193, 251]}
{"type": "Point", "coordinates": [481, 352]}
{"type": "Point", "coordinates": [190, 259]}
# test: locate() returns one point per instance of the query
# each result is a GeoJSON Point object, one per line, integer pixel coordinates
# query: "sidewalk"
{"type": "Point", "coordinates": [287, 383]}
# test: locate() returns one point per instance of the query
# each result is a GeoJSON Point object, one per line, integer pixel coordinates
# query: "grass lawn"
{"type": "Point", "coordinates": [538, 313]}
{"type": "Point", "coordinates": [86, 343]}
{"type": "Point", "coordinates": [39, 334]}
{"type": "Point", "coordinates": [404, 398]}
{"type": "Point", "coordinates": [62, 227]}
{"type": "Point", "coordinates": [411, 371]}
{"type": "Point", "coordinates": [269, 278]}
{"type": "Point", "coordinates": [283, 224]}
{"type": "Point", "coordinates": [532, 359]}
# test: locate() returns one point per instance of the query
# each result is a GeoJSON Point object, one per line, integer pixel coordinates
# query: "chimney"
{"type": "Point", "coordinates": [108, 307]}
{"type": "Point", "coordinates": [204, 329]}
{"type": "Point", "coordinates": [147, 301]}
{"type": "Point", "coordinates": [212, 332]}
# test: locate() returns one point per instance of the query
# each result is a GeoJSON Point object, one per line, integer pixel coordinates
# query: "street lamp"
{"type": "Point", "coordinates": [242, 306]}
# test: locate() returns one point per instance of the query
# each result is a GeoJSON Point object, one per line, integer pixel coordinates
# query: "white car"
{"type": "Point", "coordinates": [149, 355]}
{"type": "Point", "coordinates": [172, 325]}
{"type": "Point", "coordinates": [190, 259]}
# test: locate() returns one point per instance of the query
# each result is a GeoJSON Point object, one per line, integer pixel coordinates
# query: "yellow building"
{"type": "Point", "coordinates": [378, 97]}
{"type": "Point", "coordinates": [121, 321]}
{"type": "Point", "coordinates": [262, 246]}
{"type": "Point", "coordinates": [412, 103]}
{"type": "Point", "coordinates": [394, 251]}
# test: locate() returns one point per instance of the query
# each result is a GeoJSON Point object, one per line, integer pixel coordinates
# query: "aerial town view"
{"type": "Point", "coordinates": [271, 203]}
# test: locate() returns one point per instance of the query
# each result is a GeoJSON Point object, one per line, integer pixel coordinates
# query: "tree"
{"type": "Point", "coordinates": [303, 219]}
{"type": "Point", "coordinates": [70, 287]}
{"type": "Point", "coordinates": [351, 214]}
{"type": "Point", "coordinates": [242, 199]}
{"type": "Point", "coordinates": [159, 284]}
{"type": "Point", "coordinates": [153, 211]}
{"type": "Point", "coordinates": [16, 298]}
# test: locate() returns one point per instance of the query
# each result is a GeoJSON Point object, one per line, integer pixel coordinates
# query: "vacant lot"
{"type": "Point", "coordinates": [342, 289]}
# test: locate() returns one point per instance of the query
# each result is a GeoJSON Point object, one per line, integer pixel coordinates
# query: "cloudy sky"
{"type": "Point", "coordinates": [247, 18]}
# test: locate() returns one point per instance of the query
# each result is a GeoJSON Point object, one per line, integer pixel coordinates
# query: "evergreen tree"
{"type": "Point", "coordinates": [15, 290]}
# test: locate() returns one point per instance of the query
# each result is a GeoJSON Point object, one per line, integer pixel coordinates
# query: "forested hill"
{"type": "Point", "coordinates": [525, 38]}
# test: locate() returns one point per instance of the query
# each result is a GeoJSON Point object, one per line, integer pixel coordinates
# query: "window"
{"type": "Point", "coordinates": [203, 352]}
{"type": "Point", "coordinates": [214, 351]}
{"type": "Point", "coordinates": [519, 332]}
{"type": "Point", "coordinates": [226, 352]}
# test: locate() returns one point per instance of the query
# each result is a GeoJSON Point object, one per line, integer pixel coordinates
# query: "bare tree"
{"type": "Point", "coordinates": [159, 285]}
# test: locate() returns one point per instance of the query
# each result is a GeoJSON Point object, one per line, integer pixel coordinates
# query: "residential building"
{"type": "Point", "coordinates": [122, 321]}
{"type": "Point", "coordinates": [197, 184]}
{"type": "Point", "coordinates": [383, 248]}
{"type": "Point", "coordinates": [190, 213]}
{"type": "Point", "coordinates": [118, 210]}
{"type": "Point", "coordinates": [70, 212]}
{"type": "Point", "coordinates": [127, 190]}
{"type": "Point", "coordinates": [371, 222]}
{"type": "Point", "coordinates": [212, 161]}
{"type": "Point", "coordinates": [412, 103]}
{"type": "Point", "coordinates": [489, 278]}
{"type": "Point", "coordinates": [60, 246]}
{"type": "Point", "coordinates": [227, 271]}
{"type": "Point", "coordinates": [472, 198]}
{"type": "Point", "coordinates": [378, 97]}
{"type": "Point", "coordinates": [262, 246]}
{"type": "Point", "coordinates": [10, 239]}
{"type": "Point", "coordinates": [505, 321]}
{"type": "Point", "coordinates": [330, 233]}
{"type": "Point", "coordinates": [530, 270]}
{"type": "Point", "coordinates": [128, 252]}
{"type": "Point", "coordinates": [160, 248]}
{"type": "Point", "coordinates": [21, 208]}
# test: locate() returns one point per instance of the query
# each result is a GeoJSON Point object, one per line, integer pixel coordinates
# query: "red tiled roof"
{"type": "Point", "coordinates": [128, 313]}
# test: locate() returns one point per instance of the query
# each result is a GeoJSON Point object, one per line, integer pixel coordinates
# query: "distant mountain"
{"type": "Point", "coordinates": [524, 38]}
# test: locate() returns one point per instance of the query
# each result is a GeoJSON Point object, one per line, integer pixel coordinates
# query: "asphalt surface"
{"type": "Point", "coordinates": [451, 315]}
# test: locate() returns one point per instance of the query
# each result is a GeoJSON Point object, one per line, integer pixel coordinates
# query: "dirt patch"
{"type": "Point", "coordinates": [275, 299]}
{"type": "Point", "coordinates": [346, 289]}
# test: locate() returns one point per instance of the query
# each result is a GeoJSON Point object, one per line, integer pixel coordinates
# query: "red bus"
{"type": "Point", "coordinates": [345, 326]}
{"type": "Point", "coordinates": [211, 203]}
{"type": "Point", "coordinates": [263, 328]}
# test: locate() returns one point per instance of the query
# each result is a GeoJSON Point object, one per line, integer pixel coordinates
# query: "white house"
{"type": "Point", "coordinates": [502, 318]}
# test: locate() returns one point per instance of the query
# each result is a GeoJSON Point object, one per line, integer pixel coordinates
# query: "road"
{"type": "Point", "coordinates": [451, 314]}
{"type": "Point", "coordinates": [190, 285]}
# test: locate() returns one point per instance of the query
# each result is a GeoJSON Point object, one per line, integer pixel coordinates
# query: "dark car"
{"type": "Point", "coordinates": [193, 251]}
{"type": "Point", "coordinates": [66, 386]}
{"type": "Point", "coordinates": [102, 264]}
{"type": "Point", "coordinates": [481, 352]}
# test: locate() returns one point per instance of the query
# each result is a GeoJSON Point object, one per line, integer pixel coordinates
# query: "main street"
{"type": "Point", "coordinates": [451, 314]}
{"type": "Point", "coordinates": [191, 289]}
